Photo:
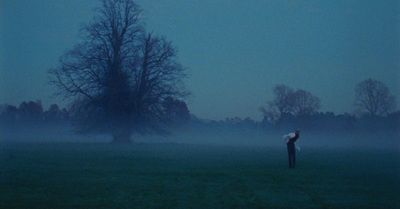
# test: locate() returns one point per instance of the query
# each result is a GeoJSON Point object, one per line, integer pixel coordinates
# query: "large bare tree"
{"type": "Point", "coordinates": [373, 97]}
{"type": "Point", "coordinates": [118, 76]}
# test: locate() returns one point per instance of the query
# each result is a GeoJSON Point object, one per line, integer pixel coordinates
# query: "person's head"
{"type": "Point", "coordinates": [297, 131]}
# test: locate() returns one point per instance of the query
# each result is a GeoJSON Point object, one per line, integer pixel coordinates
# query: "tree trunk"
{"type": "Point", "coordinates": [122, 137]}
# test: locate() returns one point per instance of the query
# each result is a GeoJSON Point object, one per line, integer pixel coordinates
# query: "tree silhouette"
{"type": "Point", "coordinates": [305, 104]}
{"type": "Point", "coordinates": [373, 96]}
{"type": "Point", "coordinates": [118, 76]}
{"type": "Point", "coordinates": [283, 103]}
{"type": "Point", "coordinates": [288, 102]}
{"type": "Point", "coordinates": [176, 111]}
{"type": "Point", "coordinates": [30, 113]}
{"type": "Point", "coordinates": [53, 114]}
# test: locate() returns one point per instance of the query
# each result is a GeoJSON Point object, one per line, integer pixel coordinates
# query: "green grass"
{"type": "Point", "coordinates": [64, 175]}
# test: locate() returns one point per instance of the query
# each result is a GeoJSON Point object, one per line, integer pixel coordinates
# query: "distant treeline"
{"type": "Point", "coordinates": [31, 114]}
{"type": "Point", "coordinates": [318, 122]}
{"type": "Point", "coordinates": [343, 122]}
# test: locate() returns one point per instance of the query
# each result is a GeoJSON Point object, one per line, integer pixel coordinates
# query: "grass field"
{"type": "Point", "coordinates": [73, 175]}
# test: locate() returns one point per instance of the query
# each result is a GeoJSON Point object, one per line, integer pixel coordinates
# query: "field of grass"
{"type": "Point", "coordinates": [73, 175]}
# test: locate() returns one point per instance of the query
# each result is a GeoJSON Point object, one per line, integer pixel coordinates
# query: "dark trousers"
{"type": "Point", "coordinates": [292, 155]}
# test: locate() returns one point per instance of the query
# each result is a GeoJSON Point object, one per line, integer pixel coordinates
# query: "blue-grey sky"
{"type": "Point", "coordinates": [235, 51]}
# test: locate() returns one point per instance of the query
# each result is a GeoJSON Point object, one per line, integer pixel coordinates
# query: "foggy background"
{"type": "Point", "coordinates": [235, 52]}
{"type": "Point", "coordinates": [257, 70]}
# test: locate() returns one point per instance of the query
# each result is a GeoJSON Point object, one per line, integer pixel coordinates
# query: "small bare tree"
{"type": "Point", "coordinates": [288, 101]}
{"type": "Point", "coordinates": [118, 76]}
{"type": "Point", "coordinates": [373, 97]}
{"type": "Point", "coordinates": [305, 103]}
{"type": "Point", "coordinates": [282, 103]}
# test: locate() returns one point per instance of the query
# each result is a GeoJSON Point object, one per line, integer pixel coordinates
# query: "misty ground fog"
{"type": "Point", "coordinates": [217, 136]}
{"type": "Point", "coordinates": [307, 140]}
{"type": "Point", "coordinates": [201, 169]}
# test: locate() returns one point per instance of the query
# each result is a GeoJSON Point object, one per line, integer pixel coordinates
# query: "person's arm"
{"type": "Point", "coordinates": [297, 145]}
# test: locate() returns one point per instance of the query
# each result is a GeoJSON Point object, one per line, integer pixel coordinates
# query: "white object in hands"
{"type": "Point", "coordinates": [287, 137]}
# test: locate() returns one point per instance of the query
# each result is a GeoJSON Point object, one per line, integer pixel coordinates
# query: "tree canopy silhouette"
{"type": "Point", "coordinates": [373, 97]}
{"type": "Point", "coordinates": [118, 76]}
{"type": "Point", "coordinates": [290, 102]}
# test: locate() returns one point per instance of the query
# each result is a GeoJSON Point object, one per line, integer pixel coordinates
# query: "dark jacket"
{"type": "Point", "coordinates": [293, 140]}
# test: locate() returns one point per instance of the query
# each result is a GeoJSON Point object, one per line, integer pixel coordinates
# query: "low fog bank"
{"type": "Point", "coordinates": [376, 140]}
{"type": "Point", "coordinates": [215, 136]}
{"type": "Point", "coordinates": [49, 134]}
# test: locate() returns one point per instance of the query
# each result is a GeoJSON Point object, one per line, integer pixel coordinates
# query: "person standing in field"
{"type": "Point", "coordinates": [290, 140]}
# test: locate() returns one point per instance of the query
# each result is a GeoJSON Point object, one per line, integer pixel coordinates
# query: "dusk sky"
{"type": "Point", "coordinates": [235, 51]}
